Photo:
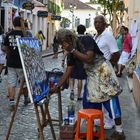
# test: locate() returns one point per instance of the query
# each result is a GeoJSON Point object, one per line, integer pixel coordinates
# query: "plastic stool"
{"type": "Point", "coordinates": [90, 115]}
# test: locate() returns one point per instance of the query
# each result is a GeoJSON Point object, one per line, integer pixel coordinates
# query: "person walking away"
{"type": "Point", "coordinates": [2, 52]}
{"type": "Point", "coordinates": [119, 39]}
{"type": "Point", "coordinates": [78, 70]}
{"type": "Point", "coordinates": [40, 36]}
{"type": "Point", "coordinates": [55, 46]}
{"type": "Point", "coordinates": [127, 46]}
{"type": "Point", "coordinates": [107, 44]}
{"type": "Point", "coordinates": [15, 72]}
{"type": "Point", "coordinates": [26, 29]}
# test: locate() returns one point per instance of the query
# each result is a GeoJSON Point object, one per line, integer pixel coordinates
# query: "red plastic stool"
{"type": "Point", "coordinates": [90, 115]}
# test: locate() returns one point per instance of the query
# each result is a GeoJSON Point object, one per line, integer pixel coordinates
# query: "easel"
{"type": "Point", "coordinates": [60, 116]}
{"type": "Point", "coordinates": [44, 112]}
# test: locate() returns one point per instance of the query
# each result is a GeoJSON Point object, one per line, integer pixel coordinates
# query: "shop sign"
{"type": "Point", "coordinates": [56, 17]}
{"type": "Point", "coordinates": [42, 14]}
{"type": "Point", "coordinates": [28, 5]}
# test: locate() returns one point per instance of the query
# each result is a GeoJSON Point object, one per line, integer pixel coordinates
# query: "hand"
{"type": "Point", "coordinates": [62, 64]}
{"type": "Point", "coordinates": [66, 52]}
{"type": "Point", "coordinates": [54, 90]}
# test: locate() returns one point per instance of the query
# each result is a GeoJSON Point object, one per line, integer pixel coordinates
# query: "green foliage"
{"type": "Point", "coordinates": [110, 6]}
{"type": "Point", "coordinates": [64, 22]}
{"type": "Point", "coordinates": [54, 8]}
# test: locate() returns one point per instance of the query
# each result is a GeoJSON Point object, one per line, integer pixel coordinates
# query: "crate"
{"type": "Point", "coordinates": [67, 131]}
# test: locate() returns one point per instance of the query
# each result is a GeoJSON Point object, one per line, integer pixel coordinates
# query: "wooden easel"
{"type": "Point", "coordinates": [44, 112]}
{"type": "Point", "coordinates": [60, 116]}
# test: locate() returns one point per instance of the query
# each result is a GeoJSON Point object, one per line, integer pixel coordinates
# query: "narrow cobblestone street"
{"type": "Point", "coordinates": [25, 124]}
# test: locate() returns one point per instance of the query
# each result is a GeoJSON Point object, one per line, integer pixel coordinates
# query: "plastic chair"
{"type": "Point", "coordinates": [90, 115]}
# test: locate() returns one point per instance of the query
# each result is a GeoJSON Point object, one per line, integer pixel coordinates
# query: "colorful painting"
{"type": "Point", "coordinates": [33, 67]}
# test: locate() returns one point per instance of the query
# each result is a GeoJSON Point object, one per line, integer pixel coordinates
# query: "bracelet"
{"type": "Point", "coordinates": [73, 50]}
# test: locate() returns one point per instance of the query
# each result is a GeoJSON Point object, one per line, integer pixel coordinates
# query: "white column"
{"type": "Point", "coordinates": [36, 24]}
{"type": "Point", "coordinates": [43, 28]}
{"type": "Point", "coordinates": [8, 18]}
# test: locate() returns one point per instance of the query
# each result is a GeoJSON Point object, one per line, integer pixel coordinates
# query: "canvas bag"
{"type": "Point", "coordinates": [2, 51]}
{"type": "Point", "coordinates": [102, 83]}
{"type": "Point", "coordinates": [131, 66]}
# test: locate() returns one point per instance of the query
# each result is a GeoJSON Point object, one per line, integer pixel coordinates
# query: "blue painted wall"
{"type": "Point", "coordinates": [19, 3]}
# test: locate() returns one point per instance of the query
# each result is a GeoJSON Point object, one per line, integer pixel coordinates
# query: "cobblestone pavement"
{"type": "Point", "coordinates": [25, 124]}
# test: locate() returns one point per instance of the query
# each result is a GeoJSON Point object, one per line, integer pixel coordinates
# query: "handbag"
{"type": "Point", "coordinates": [2, 43]}
{"type": "Point", "coordinates": [131, 66]}
{"type": "Point", "coordinates": [102, 83]}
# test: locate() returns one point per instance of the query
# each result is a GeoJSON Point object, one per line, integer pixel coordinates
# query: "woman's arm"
{"type": "Point", "coordinates": [87, 58]}
{"type": "Point", "coordinates": [64, 58]}
{"type": "Point", "coordinates": [65, 76]}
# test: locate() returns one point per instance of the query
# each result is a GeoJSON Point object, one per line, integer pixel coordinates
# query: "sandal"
{"type": "Point", "coordinates": [72, 95]}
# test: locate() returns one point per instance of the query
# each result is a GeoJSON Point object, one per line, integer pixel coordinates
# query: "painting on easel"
{"type": "Point", "coordinates": [33, 67]}
{"type": "Point", "coordinates": [35, 77]}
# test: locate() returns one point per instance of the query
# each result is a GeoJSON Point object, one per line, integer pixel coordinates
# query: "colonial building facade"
{"type": "Point", "coordinates": [37, 19]}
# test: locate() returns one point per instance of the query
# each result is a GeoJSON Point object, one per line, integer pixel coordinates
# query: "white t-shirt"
{"type": "Point", "coordinates": [107, 44]}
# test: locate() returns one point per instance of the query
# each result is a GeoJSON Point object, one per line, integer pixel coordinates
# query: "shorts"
{"type": "Point", "coordinates": [78, 71]}
{"type": "Point", "coordinates": [14, 75]}
{"type": "Point", "coordinates": [55, 47]}
{"type": "Point", "coordinates": [124, 58]}
{"type": "Point", "coordinates": [112, 106]}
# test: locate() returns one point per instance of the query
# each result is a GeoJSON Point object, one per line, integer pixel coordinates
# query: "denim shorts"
{"type": "Point", "coordinates": [14, 76]}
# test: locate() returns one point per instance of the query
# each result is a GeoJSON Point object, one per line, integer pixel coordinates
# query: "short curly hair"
{"type": "Point", "coordinates": [17, 21]}
{"type": "Point", "coordinates": [66, 35]}
{"type": "Point", "coordinates": [81, 29]}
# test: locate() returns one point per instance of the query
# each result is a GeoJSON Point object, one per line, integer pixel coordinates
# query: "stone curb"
{"type": "Point", "coordinates": [50, 54]}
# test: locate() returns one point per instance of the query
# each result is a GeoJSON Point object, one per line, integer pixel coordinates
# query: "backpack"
{"type": "Point", "coordinates": [2, 47]}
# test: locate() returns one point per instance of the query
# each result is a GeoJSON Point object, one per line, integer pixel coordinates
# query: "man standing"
{"type": "Point", "coordinates": [126, 51]}
{"type": "Point", "coordinates": [15, 72]}
{"type": "Point", "coordinates": [106, 41]}
{"type": "Point", "coordinates": [107, 44]}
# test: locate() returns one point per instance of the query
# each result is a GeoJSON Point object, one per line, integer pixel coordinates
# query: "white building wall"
{"type": "Point", "coordinates": [82, 15]}
{"type": "Point", "coordinates": [134, 13]}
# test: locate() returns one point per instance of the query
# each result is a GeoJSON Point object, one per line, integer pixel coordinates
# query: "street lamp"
{"type": "Point", "coordinates": [72, 9]}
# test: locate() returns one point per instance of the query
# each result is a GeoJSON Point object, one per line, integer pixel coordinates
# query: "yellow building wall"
{"type": "Point", "coordinates": [54, 25]}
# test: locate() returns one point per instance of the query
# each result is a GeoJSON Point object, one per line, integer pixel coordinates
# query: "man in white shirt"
{"type": "Point", "coordinates": [107, 44]}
